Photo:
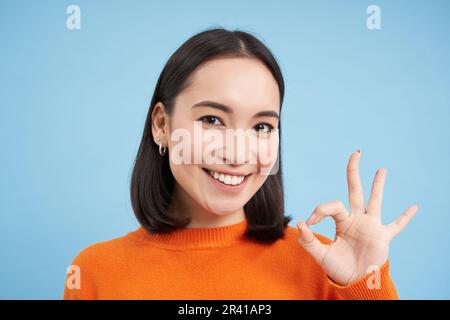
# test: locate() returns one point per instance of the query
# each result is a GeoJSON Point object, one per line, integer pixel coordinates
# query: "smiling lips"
{"type": "Point", "coordinates": [227, 179]}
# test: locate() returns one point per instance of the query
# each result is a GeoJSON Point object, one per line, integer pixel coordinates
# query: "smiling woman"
{"type": "Point", "coordinates": [225, 81]}
{"type": "Point", "coordinates": [217, 229]}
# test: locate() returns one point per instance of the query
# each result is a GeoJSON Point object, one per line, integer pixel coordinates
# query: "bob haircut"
{"type": "Point", "coordinates": [152, 180]}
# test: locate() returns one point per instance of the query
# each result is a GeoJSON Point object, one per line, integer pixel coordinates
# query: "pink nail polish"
{"type": "Point", "coordinates": [311, 219]}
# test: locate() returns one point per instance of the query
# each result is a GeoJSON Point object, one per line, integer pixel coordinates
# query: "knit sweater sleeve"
{"type": "Point", "coordinates": [79, 284]}
{"type": "Point", "coordinates": [377, 285]}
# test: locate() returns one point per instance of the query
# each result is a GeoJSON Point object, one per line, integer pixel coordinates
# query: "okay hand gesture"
{"type": "Point", "coordinates": [361, 240]}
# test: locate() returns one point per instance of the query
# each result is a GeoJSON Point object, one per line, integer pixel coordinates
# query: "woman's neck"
{"type": "Point", "coordinates": [211, 220]}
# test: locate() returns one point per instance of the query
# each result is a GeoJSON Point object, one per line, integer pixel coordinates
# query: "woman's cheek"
{"type": "Point", "coordinates": [268, 154]}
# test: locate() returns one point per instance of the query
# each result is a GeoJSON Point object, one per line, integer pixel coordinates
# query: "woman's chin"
{"type": "Point", "coordinates": [224, 209]}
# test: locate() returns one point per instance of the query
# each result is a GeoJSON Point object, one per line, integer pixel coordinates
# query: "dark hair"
{"type": "Point", "coordinates": [152, 180]}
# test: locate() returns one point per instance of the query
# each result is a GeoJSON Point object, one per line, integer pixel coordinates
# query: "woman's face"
{"type": "Point", "coordinates": [221, 151]}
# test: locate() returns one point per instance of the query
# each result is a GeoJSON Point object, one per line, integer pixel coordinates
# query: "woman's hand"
{"type": "Point", "coordinates": [361, 240]}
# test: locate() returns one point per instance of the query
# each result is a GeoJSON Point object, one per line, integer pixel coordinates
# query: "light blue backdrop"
{"type": "Point", "coordinates": [73, 105]}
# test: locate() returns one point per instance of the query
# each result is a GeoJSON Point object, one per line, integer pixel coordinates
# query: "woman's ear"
{"type": "Point", "coordinates": [160, 124]}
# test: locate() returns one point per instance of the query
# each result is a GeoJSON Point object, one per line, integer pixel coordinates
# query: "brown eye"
{"type": "Point", "coordinates": [211, 120]}
{"type": "Point", "coordinates": [263, 127]}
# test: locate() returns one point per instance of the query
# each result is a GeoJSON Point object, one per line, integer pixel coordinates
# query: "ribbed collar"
{"type": "Point", "coordinates": [193, 238]}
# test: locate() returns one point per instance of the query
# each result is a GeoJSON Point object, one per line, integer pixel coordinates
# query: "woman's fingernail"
{"type": "Point", "coordinates": [298, 226]}
{"type": "Point", "coordinates": [311, 219]}
{"type": "Point", "coordinates": [359, 150]}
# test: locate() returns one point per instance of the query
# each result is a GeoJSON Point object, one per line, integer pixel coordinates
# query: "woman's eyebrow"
{"type": "Point", "coordinates": [224, 108]}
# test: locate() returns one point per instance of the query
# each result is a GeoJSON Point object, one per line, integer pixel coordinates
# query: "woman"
{"type": "Point", "coordinates": [211, 212]}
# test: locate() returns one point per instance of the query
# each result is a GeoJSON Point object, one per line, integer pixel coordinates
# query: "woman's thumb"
{"type": "Point", "coordinates": [310, 243]}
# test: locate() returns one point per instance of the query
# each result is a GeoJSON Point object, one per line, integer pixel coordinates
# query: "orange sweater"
{"type": "Point", "coordinates": [213, 263]}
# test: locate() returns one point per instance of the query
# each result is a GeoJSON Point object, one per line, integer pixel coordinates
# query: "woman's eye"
{"type": "Point", "coordinates": [211, 120]}
{"type": "Point", "coordinates": [263, 127]}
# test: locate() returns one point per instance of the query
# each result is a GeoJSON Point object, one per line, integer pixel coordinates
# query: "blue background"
{"type": "Point", "coordinates": [74, 102]}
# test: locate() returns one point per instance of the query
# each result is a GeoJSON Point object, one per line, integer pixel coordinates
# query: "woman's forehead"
{"type": "Point", "coordinates": [235, 82]}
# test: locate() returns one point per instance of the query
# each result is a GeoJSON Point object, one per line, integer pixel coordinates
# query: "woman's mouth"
{"type": "Point", "coordinates": [226, 179]}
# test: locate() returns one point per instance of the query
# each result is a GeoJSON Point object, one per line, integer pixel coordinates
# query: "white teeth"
{"type": "Point", "coordinates": [226, 179]}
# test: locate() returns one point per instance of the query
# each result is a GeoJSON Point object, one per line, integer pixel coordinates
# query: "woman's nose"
{"type": "Point", "coordinates": [241, 150]}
